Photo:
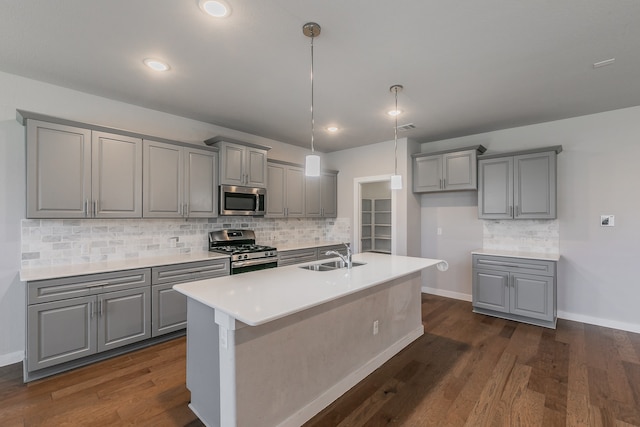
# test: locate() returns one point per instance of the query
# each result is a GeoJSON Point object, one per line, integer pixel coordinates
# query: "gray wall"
{"type": "Point", "coordinates": [598, 174]}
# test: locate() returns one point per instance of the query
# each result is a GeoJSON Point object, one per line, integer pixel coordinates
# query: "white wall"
{"type": "Point", "coordinates": [598, 174]}
{"type": "Point", "coordinates": [30, 95]}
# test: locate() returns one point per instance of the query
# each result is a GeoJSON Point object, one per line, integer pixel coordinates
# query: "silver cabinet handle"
{"type": "Point", "coordinates": [517, 210]}
{"type": "Point", "coordinates": [511, 211]}
{"type": "Point", "coordinates": [444, 183]}
{"type": "Point", "coordinates": [186, 210]}
{"type": "Point", "coordinates": [95, 208]}
{"type": "Point", "coordinates": [86, 208]}
{"type": "Point", "coordinates": [91, 309]}
{"type": "Point", "coordinates": [100, 308]}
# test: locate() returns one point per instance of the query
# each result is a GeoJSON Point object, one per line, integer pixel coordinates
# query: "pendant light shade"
{"type": "Point", "coordinates": [396, 180]}
{"type": "Point", "coordinates": [312, 162]}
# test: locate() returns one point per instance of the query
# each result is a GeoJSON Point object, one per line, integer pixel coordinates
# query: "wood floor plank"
{"type": "Point", "coordinates": [466, 369]}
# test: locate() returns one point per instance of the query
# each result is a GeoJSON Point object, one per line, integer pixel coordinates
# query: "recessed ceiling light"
{"type": "Point", "coordinates": [215, 8]}
{"type": "Point", "coordinates": [156, 64]}
{"type": "Point", "coordinates": [332, 129]}
{"type": "Point", "coordinates": [394, 113]}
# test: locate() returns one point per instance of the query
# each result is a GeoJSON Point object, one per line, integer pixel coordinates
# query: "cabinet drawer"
{"type": "Point", "coordinates": [198, 270]}
{"type": "Point", "coordinates": [297, 256]}
{"type": "Point", "coordinates": [77, 286]}
{"type": "Point", "coordinates": [517, 265]}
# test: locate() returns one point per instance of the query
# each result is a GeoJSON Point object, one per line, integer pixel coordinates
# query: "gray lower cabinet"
{"type": "Point", "coordinates": [285, 189]}
{"type": "Point", "coordinates": [169, 308]}
{"type": "Point", "coordinates": [299, 256]}
{"type": "Point", "coordinates": [179, 182]}
{"type": "Point", "coordinates": [74, 317]}
{"type": "Point", "coordinates": [74, 172]}
{"type": "Point", "coordinates": [521, 186]}
{"type": "Point", "coordinates": [515, 288]}
{"type": "Point", "coordinates": [450, 170]}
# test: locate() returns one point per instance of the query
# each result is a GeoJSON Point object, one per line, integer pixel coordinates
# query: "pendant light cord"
{"type": "Point", "coordinates": [395, 148]}
{"type": "Point", "coordinates": [312, 121]}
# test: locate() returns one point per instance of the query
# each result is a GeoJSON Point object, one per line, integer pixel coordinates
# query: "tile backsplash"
{"type": "Point", "coordinates": [538, 236]}
{"type": "Point", "coordinates": [48, 242]}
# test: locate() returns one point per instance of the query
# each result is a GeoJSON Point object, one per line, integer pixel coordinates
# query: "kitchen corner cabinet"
{"type": "Point", "coordinates": [321, 195]}
{"type": "Point", "coordinates": [518, 185]}
{"type": "Point", "coordinates": [241, 164]}
{"type": "Point", "coordinates": [515, 288]}
{"type": "Point", "coordinates": [179, 181]}
{"type": "Point", "coordinates": [285, 189]}
{"type": "Point", "coordinates": [74, 317]}
{"type": "Point", "coordinates": [169, 307]}
{"type": "Point", "coordinates": [73, 172]}
{"type": "Point", "coordinates": [450, 170]}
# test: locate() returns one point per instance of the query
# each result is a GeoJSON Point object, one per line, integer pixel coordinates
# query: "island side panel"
{"type": "Point", "coordinates": [291, 368]}
{"type": "Point", "coordinates": [203, 362]}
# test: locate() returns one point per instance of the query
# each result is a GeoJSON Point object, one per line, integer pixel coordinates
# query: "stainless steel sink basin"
{"type": "Point", "coordinates": [330, 265]}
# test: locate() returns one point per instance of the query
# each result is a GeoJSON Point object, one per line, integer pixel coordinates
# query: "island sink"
{"type": "Point", "coordinates": [330, 265]}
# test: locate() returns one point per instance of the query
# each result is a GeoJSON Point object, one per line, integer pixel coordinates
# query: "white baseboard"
{"type": "Point", "coordinates": [326, 398]}
{"type": "Point", "coordinates": [448, 294]}
{"type": "Point", "coordinates": [11, 358]}
{"type": "Point", "coordinates": [598, 321]}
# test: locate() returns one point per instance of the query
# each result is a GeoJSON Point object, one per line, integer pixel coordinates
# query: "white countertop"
{"type": "Point", "coordinates": [53, 272]}
{"type": "Point", "coordinates": [305, 245]}
{"type": "Point", "coordinates": [517, 254]}
{"type": "Point", "coordinates": [262, 296]}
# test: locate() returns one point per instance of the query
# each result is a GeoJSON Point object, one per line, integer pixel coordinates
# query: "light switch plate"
{"type": "Point", "coordinates": [607, 220]}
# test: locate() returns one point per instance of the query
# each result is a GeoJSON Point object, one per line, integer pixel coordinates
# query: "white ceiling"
{"type": "Point", "coordinates": [467, 66]}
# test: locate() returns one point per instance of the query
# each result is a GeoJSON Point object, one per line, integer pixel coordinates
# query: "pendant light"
{"type": "Point", "coordinates": [312, 162]}
{"type": "Point", "coordinates": [396, 180]}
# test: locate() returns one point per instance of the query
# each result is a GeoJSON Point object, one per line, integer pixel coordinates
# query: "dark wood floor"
{"type": "Point", "coordinates": [467, 369]}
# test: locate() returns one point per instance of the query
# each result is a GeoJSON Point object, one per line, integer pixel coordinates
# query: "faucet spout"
{"type": "Point", "coordinates": [345, 259]}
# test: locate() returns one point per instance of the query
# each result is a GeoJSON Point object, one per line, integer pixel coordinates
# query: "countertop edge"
{"type": "Point", "coordinates": [517, 254]}
{"type": "Point", "coordinates": [61, 271]}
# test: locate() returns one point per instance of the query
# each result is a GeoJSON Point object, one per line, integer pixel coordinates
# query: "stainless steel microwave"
{"type": "Point", "coordinates": [235, 200]}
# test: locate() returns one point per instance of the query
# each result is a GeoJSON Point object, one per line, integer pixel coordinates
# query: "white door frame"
{"type": "Point", "coordinates": [357, 209]}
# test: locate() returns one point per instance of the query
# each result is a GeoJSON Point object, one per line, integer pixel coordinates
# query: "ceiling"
{"type": "Point", "coordinates": [466, 66]}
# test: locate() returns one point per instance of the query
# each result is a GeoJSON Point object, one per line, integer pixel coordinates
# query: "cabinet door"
{"type": "Point", "coordinates": [460, 171]}
{"type": "Point", "coordinates": [124, 317]}
{"type": "Point", "coordinates": [313, 198]}
{"type": "Point", "coordinates": [276, 197]}
{"type": "Point", "coordinates": [169, 310]}
{"type": "Point", "coordinates": [256, 168]}
{"type": "Point", "coordinates": [201, 183]}
{"type": "Point", "coordinates": [427, 174]}
{"type": "Point", "coordinates": [60, 331]}
{"type": "Point", "coordinates": [491, 290]}
{"type": "Point", "coordinates": [163, 174]}
{"type": "Point", "coordinates": [58, 170]}
{"type": "Point", "coordinates": [532, 296]}
{"type": "Point", "coordinates": [535, 186]}
{"type": "Point", "coordinates": [295, 191]}
{"type": "Point", "coordinates": [495, 188]}
{"type": "Point", "coordinates": [329, 195]}
{"type": "Point", "coordinates": [116, 176]}
{"type": "Point", "coordinates": [232, 166]}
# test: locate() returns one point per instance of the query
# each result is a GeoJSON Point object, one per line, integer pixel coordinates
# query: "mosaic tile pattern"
{"type": "Point", "coordinates": [538, 236]}
{"type": "Point", "coordinates": [62, 242]}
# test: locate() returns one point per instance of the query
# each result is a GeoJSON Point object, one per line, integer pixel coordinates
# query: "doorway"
{"type": "Point", "coordinates": [373, 215]}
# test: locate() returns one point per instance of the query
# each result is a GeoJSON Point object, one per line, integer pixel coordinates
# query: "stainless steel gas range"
{"type": "Point", "coordinates": [241, 246]}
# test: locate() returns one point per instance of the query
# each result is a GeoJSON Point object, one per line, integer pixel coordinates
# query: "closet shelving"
{"type": "Point", "coordinates": [376, 225]}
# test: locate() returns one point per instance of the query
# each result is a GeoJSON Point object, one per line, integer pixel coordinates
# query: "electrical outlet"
{"type": "Point", "coordinates": [375, 327]}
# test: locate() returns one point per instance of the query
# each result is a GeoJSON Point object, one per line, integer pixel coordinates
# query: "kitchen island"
{"type": "Point", "coordinates": [274, 347]}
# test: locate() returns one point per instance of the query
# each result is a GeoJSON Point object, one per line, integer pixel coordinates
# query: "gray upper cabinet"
{"type": "Point", "coordinates": [518, 186]}
{"type": "Point", "coordinates": [321, 195]}
{"type": "Point", "coordinates": [285, 190]}
{"type": "Point", "coordinates": [74, 172]}
{"type": "Point", "coordinates": [240, 164]}
{"type": "Point", "coordinates": [179, 182]}
{"type": "Point", "coordinates": [446, 170]}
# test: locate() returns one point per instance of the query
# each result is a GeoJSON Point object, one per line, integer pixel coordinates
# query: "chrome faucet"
{"type": "Point", "coordinates": [346, 260]}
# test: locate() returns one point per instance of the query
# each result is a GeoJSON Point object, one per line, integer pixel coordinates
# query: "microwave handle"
{"type": "Point", "coordinates": [257, 203]}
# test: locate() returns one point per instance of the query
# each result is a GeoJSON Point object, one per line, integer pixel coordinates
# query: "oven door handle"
{"type": "Point", "coordinates": [250, 262]}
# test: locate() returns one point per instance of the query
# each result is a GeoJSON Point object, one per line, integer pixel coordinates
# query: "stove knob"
{"type": "Point", "coordinates": [246, 256]}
